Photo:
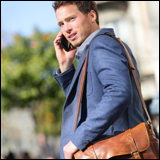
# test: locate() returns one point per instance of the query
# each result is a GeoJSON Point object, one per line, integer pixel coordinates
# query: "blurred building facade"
{"type": "Point", "coordinates": [18, 137]}
{"type": "Point", "coordinates": [137, 24]}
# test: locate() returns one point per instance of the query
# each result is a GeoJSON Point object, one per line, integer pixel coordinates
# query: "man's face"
{"type": "Point", "coordinates": [75, 26]}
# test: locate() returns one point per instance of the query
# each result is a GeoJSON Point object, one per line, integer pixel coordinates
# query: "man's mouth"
{"type": "Point", "coordinates": [72, 37]}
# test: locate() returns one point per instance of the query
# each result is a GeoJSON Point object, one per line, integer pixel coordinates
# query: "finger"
{"type": "Point", "coordinates": [59, 36]}
{"type": "Point", "coordinates": [59, 33]}
{"type": "Point", "coordinates": [57, 42]}
{"type": "Point", "coordinates": [68, 156]}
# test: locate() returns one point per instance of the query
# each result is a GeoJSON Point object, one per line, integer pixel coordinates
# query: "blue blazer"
{"type": "Point", "coordinates": [110, 103]}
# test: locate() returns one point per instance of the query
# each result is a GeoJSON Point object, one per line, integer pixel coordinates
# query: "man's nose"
{"type": "Point", "coordinates": [67, 28]}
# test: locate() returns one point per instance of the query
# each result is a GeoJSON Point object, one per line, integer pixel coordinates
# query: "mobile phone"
{"type": "Point", "coordinates": [65, 44]}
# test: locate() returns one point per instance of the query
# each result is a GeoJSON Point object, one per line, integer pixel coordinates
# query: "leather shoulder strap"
{"type": "Point", "coordinates": [82, 83]}
{"type": "Point", "coordinates": [133, 71]}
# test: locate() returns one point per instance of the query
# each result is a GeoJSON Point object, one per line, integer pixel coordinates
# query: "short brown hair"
{"type": "Point", "coordinates": [84, 6]}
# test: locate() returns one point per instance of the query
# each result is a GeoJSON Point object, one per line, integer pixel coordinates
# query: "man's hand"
{"type": "Point", "coordinates": [64, 58]}
{"type": "Point", "coordinates": [69, 150]}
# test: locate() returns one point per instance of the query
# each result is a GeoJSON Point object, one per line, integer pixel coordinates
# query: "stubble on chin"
{"type": "Point", "coordinates": [78, 42]}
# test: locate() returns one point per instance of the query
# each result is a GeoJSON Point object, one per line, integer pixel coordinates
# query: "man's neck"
{"type": "Point", "coordinates": [95, 28]}
{"type": "Point", "coordinates": [85, 43]}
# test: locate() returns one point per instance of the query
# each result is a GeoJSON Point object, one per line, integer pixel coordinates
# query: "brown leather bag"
{"type": "Point", "coordinates": [138, 142]}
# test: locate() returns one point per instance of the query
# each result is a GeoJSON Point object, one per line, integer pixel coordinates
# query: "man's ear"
{"type": "Point", "coordinates": [92, 15]}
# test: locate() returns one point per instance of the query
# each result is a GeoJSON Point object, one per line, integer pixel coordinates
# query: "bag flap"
{"type": "Point", "coordinates": [141, 137]}
{"type": "Point", "coordinates": [124, 143]}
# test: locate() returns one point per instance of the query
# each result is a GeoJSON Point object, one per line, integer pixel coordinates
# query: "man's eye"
{"type": "Point", "coordinates": [72, 18]}
{"type": "Point", "coordinates": [61, 24]}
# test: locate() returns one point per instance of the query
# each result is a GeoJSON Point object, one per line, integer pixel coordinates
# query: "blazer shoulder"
{"type": "Point", "coordinates": [104, 39]}
{"type": "Point", "coordinates": [101, 36]}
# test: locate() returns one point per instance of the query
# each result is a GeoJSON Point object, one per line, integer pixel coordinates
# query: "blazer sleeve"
{"type": "Point", "coordinates": [113, 73]}
{"type": "Point", "coordinates": [64, 79]}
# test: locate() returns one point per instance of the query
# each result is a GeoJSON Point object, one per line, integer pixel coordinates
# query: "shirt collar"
{"type": "Point", "coordinates": [85, 43]}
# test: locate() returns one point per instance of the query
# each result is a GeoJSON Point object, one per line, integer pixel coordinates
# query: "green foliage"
{"type": "Point", "coordinates": [27, 81]}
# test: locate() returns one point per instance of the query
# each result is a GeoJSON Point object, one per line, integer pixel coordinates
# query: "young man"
{"type": "Point", "coordinates": [110, 101]}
